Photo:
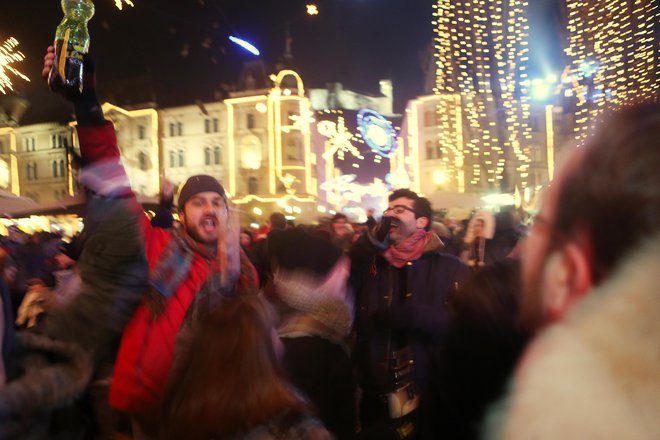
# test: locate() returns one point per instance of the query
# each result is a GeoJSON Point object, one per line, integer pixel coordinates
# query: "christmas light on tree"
{"type": "Point", "coordinates": [613, 53]}
{"type": "Point", "coordinates": [481, 56]}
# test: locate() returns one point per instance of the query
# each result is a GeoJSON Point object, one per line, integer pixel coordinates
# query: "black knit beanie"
{"type": "Point", "coordinates": [197, 184]}
{"type": "Point", "coordinates": [301, 250]}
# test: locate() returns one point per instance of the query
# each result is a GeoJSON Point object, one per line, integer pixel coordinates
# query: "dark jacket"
{"type": "Point", "coordinates": [51, 375]}
{"type": "Point", "coordinates": [399, 308]}
{"type": "Point", "coordinates": [322, 370]}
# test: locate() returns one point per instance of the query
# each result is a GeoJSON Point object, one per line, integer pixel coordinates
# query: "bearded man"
{"type": "Point", "coordinates": [402, 281]}
{"type": "Point", "coordinates": [156, 282]}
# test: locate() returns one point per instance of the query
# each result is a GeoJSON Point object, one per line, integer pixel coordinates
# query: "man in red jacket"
{"type": "Point", "coordinates": [191, 270]}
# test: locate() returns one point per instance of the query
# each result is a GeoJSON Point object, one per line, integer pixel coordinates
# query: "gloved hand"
{"type": "Point", "coordinates": [89, 78]}
{"type": "Point", "coordinates": [382, 230]}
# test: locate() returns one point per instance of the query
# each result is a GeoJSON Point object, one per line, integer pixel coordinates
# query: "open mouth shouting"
{"type": "Point", "coordinates": [209, 224]}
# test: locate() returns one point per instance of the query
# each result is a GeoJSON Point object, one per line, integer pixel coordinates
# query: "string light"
{"type": "Point", "coordinates": [481, 56]}
{"type": "Point", "coordinates": [613, 56]}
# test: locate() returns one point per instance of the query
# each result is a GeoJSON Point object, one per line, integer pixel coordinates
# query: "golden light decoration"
{"type": "Point", "coordinates": [481, 56]}
{"type": "Point", "coordinates": [613, 56]}
{"type": "Point", "coordinates": [9, 56]}
{"type": "Point", "coordinates": [120, 4]}
{"type": "Point", "coordinates": [312, 9]}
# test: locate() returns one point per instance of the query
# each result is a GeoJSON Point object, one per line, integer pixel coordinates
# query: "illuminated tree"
{"type": "Point", "coordinates": [613, 52]}
{"type": "Point", "coordinates": [481, 56]}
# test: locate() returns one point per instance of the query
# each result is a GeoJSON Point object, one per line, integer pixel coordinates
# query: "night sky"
{"type": "Point", "coordinates": [177, 50]}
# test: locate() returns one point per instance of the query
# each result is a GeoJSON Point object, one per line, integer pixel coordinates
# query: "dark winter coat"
{"type": "Point", "coordinates": [51, 375]}
{"type": "Point", "coordinates": [400, 308]}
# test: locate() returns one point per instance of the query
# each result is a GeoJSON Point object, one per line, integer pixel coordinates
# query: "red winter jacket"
{"type": "Point", "coordinates": [147, 346]}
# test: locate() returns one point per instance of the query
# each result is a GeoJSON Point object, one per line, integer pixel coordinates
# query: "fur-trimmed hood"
{"type": "Point", "coordinates": [596, 374]}
{"type": "Point", "coordinates": [52, 375]}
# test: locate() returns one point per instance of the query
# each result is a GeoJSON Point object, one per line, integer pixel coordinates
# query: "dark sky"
{"type": "Point", "coordinates": [179, 48]}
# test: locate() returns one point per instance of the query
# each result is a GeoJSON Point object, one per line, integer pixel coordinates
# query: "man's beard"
{"type": "Point", "coordinates": [192, 232]}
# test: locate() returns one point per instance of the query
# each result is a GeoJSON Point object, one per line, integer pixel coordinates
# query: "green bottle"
{"type": "Point", "coordinates": [71, 42]}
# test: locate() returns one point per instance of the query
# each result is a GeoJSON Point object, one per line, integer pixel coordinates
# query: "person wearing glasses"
{"type": "Point", "coordinates": [402, 280]}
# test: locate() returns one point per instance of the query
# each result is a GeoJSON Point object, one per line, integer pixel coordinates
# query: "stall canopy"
{"type": "Point", "coordinates": [74, 204]}
{"type": "Point", "coordinates": [12, 203]}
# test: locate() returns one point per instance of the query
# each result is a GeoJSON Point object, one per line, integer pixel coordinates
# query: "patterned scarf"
{"type": "Point", "coordinates": [227, 267]}
{"type": "Point", "coordinates": [409, 249]}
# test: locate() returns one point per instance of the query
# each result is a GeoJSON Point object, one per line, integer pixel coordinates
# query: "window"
{"type": "Point", "coordinates": [172, 159]}
{"type": "Point", "coordinates": [216, 125]}
{"type": "Point", "coordinates": [29, 144]}
{"type": "Point", "coordinates": [176, 129]}
{"type": "Point", "coordinates": [250, 120]}
{"type": "Point", "coordinates": [292, 152]}
{"type": "Point", "coordinates": [207, 125]}
{"type": "Point", "coordinates": [253, 185]}
{"type": "Point", "coordinates": [54, 141]}
{"type": "Point", "coordinates": [142, 159]}
{"type": "Point", "coordinates": [31, 170]}
{"type": "Point", "coordinates": [429, 150]}
{"type": "Point", "coordinates": [142, 131]}
{"type": "Point", "coordinates": [429, 117]}
{"type": "Point", "coordinates": [58, 168]}
{"type": "Point", "coordinates": [207, 156]}
{"type": "Point", "coordinates": [216, 156]}
{"type": "Point", "coordinates": [182, 161]}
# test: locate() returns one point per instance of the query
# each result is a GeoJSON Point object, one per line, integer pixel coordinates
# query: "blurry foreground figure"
{"type": "Point", "coordinates": [482, 347]}
{"type": "Point", "coordinates": [229, 384]}
{"type": "Point", "coordinates": [38, 377]}
{"type": "Point", "coordinates": [590, 275]}
{"type": "Point", "coordinates": [310, 287]}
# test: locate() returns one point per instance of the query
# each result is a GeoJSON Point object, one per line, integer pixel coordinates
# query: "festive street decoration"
{"type": "Point", "coordinates": [9, 56]}
{"type": "Point", "coordinates": [120, 4]}
{"type": "Point", "coordinates": [481, 55]}
{"type": "Point", "coordinates": [613, 54]}
{"type": "Point", "coordinates": [377, 132]}
{"type": "Point", "coordinates": [339, 139]}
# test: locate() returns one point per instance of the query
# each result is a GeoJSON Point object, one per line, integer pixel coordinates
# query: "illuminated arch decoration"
{"type": "Point", "coordinates": [377, 132]}
{"type": "Point", "coordinates": [279, 78]}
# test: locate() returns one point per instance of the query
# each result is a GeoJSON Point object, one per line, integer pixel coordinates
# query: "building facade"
{"type": "Point", "coordinates": [257, 142]}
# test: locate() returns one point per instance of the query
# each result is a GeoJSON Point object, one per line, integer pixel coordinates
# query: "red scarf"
{"type": "Point", "coordinates": [407, 250]}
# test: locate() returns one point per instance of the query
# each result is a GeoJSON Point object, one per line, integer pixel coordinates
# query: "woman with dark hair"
{"type": "Point", "coordinates": [230, 385]}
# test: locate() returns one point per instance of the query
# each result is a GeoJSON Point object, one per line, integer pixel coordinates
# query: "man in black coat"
{"type": "Point", "coordinates": [402, 281]}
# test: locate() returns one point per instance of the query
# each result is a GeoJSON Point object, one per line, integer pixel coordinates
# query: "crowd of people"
{"type": "Point", "coordinates": [404, 327]}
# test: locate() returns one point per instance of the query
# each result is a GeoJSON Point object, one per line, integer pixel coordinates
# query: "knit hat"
{"type": "Point", "coordinates": [197, 184]}
{"type": "Point", "coordinates": [300, 250]}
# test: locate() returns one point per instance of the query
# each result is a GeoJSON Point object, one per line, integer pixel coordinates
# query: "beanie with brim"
{"type": "Point", "coordinates": [197, 184]}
